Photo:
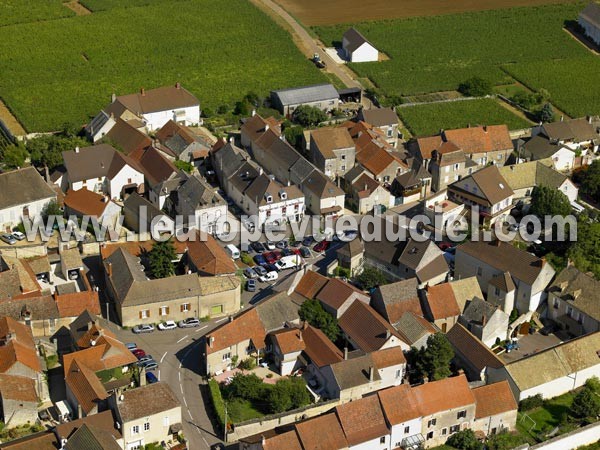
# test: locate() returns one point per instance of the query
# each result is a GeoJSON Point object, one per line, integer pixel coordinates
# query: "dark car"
{"type": "Point", "coordinates": [260, 270]}
{"type": "Point", "coordinates": [270, 257]}
{"type": "Point", "coordinates": [151, 378]}
{"type": "Point", "coordinates": [278, 254]}
{"type": "Point", "coordinates": [321, 246]}
{"type": "Point", "coordinates": [258, 247]}
{"type": "Point", "coordinates": [139, 353]}
{"type": "Point", "coordinates": [296, 244]}
{"type": "Point", "coordinates": [444, 245]}
{"type": "Point", "coordinates": [260, 260]}
{"type": "Point", "coordinates": [549, 329]}
{"type": "Point", "coordinates": [8, 238]}
{"type": "Point", "coordinates": [287, 251]}
{"type": "Point", "coordinates": [305, 252]}
{"type": "Point", "coordinates": [282, 244]}
{"type": "Point", "coordinates": [271, 267]}
{"type": "Point", "coordinates": [307, 241]}
{"type": "Point", "coordinates": [296, 251]}
{"type": "Point", "coordinates": [251, 285]}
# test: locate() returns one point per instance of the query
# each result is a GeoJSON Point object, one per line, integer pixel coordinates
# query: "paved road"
{"type": "Point", "coordinates": [310, 44]}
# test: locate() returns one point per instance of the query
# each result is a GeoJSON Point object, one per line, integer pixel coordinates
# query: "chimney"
{"type": "Point", "coordinates": [230, 319]}
{"type": "Point", "coordinates": [177, 85]}
{"type": "Point", "coordinates": [569, 262]}
{"type": "Point", "coordinates": [231, 140]}
{"type": "Point", "coordinates": [263, 440]}
{"type": "Point", "coordinates": [142, 91]}
{"type": "Point", "coordinates": [300, 335]}
{"type": "Point", "coordinates": [211, 341]}
{"type": "Point", "coordinates": [496, 242]}
{"type": "Point", "coordinates": [461, 372]}
{"type": "Point", "coordinates": [371, 373]}
{"type": "Point", "coordinates": [366, 187]}
{"type": "Point", "coordinates": [76, 149]}
{"type": "Point", "coordinates": [542, 261]}
{"type": "Point", "coordinates": [485, 128]}
{"type": "Point", "coordinates": [345, 353]}
{"type": "Point", "coordinates": [267, 127]}
{"type": "Point", "coordinates": [387, 333]}
{"type": "Point", "coordinates": [425, 380]}
{"type": "Point", "coordinates": [109, 268]}
{"type": "Point", "coordinates": [483, 321]}
{"type": "Point", "coordinates": [576, 293]}
{"type": "Point", "coordinates": [589, 119]}
{"type": "Point", "coordinates": [512, 168]}
{"type": "Point", "coordinates": [113, 98]}
{"type": "Point", "coordinates": [260, 170]}
{"type": "Point", "coordinates": [253, 112]}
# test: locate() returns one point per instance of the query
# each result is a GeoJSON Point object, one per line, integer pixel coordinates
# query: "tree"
{"type": "Point", "coordinates": [590, 180]}
{"type": "Point", "coordinates": [546, 114]}
{"type": "Point", "coordinates": [51, 209]}
{"type": "Point", "coordinates": [242, 108]}
{"type": "Point", "coordinates": [288, 393]}
{"type": "Point", "coordinates": [312, 312]}
{"type": "Point", "coordinates": [308, 116]}
{"type": "Point", "coordinates": [475, 87]}
{"type": "Point", "coordinates": [14, 156]}
{"type": "Point", "coordinates": [547, 201]}
{"type": "Point", "coordinates": [248, 387]}
{"type": "Point", "coordinates": [161, 259]}
{"type": "Point", "coordinates": [46, 151]}
{"type": "Point", "coordinates": [593, 383]}
{"type": "Point", "coordinates": [371, 277]}
{"type": "Point", "coordinates": [584, 253]}
{"type": "Point", "coordinates": [293, 135]}
{"type": "Point", "coordinates": [434, 361]}
{"type": "Point", "coordinates": [586, 404]}
{"type": "Point", "coordinates": [464, 440]}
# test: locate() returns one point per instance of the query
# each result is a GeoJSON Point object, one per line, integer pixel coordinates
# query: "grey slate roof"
{"type": "Point", "coordinates": [23, 186]}
{"type": "Point", "coordinates": [478, 309]}
{"type": "Point", "coordinates": [503, 282]}
{"type": "Point", "coordinates": [306, 94]}
{"type": "Point", "coordinates": [591, 13]}
{"type": "Point", "coordinates": [355, 39]}
{"type": "Point", "coordinates": [40, 308]}
{"type": "Point", "coordinates": [91, 438]}
{"type": "Point", "coordinates": [578, 289]}
{"type": "Point", "coordinates": [413, 327]}
{"type": "Point", "coordinates": [195, 193]}
{"type": "Point", "coordinates": [539, 147]}
{"type": "Point", "coordinates": [275, 311]}
{"type": "Point", "coordinates": [575, 129]}
{"type": "Point", "coordinates": [354, 371]}
{"type": "Point", "coordinates": [379, 117]}
{"type": "Point", "coordinates": [147, 401]}
{"type": "Point", "coordinates": [135, 202]}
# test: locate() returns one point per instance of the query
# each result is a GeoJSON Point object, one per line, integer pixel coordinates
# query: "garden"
{"type": "Point", "coordinates": [61, 71]}
{"type": "Point", "coordinates": [428, 119]}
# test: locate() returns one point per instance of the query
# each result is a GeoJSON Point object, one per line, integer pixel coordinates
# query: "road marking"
{"type": "Point", "coordinates": [182, 339]}
{"type": "Point", "coordinates": [158, 374]}
{"type": "Point", "coordinates": [190, 414]}
{"type": "Point", "coordinates": [202, 328]}
{"type": "Point", "coordinates": [181, 387]}
{"type": "Point", "coordinates": [185, 401]}
{"type": "Point", "coordinates": [221, 320]}
{"type": "Point", "coordinates": [163, 357]}
{"type": "Point", "coordinates": [179, 374]}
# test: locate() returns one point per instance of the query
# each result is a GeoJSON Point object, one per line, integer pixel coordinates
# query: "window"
{"type": "Point", "coordinates": [386, 179]}
{"type": "Point", "coordinates": [406, 430]}
{"type": "Point", "coordinates": [144, 313]}
{"type": "Point", "coordinates": [461, 414]}
{"type": "Point", "coordinates": [166, 421]}
{"type": "Point", "coordinates": [343, 157]}
{"type": "Point", "coordinates": [570, 311]}
{"type": "Point", "coordinates": [227, 356]}
{"type": "Point", "coordinates": [496, 292]}
{"type": "Point", "coordinates": [343, 167]}
{"type": "Point", "coordinates": [580, 319]}
{"type": "Point", "coordinates": [398, 373]}
{"type": "Point", "coordinates": [454, 429]}
{"type": "Point", "coordinates": [430, 435]}
{"type": "Point", "coordinates": [164, 310]}
{"type": "Point", "coordinates": [479, 271]}
{"type": "Point", "coordinates": [390, 132]}
{"type": "Point", "coordinates": [444, 431]}
{"type": "Point", "coordinates": [431, 423]}
{"type": "Point", "coordinates": [382, 440]}
{"type": "Point", "coordinates": [135, 429]}
{"type": "Point", "coordinates": [185, 307]}
{"type": "Point", "coordinates": [147, 426]}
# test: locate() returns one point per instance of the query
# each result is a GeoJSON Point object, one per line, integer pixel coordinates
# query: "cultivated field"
{"type": "Point", "coordinates": [65, 70]}
{"type": "Point", "coordinates": [22, 11]}
{"type": "Point", "coordinates": [101, 5]}
{"type": "Point", "coordinates": [330, 12]}
{"type": "Point", "coordinates": [432, 54]}
{"type": "Point", "coordinates": [428, 119]}
{"type": "Point", "coordinates": [574, 84]}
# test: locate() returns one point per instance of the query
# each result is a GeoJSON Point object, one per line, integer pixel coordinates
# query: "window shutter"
{"type": "Point", "coordinates": [181, 308]}
{"type": "Point", "coordinates": [140, 314]}
{"type": "Point", "coordinates": [160, 311]}
{"type": "Point", "coordinates": [168, 310]}
{"type": "Point", "coordinates": [148, 313]}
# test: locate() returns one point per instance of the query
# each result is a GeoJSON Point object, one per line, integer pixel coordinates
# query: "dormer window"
{"type": "Point", "coordinates": [283, 195]}
{"type": "Point", "coordinates": [268, 198]}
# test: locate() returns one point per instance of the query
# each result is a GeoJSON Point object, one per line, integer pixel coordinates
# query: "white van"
{"type": "Point", "coordinates": [269, 276]}
{"type": "Point", "coordinates": [233, 251]}
{"type": "Point", "coordinates": [64, 411]}
{"type": "Point", "coordinates": [289, 262]}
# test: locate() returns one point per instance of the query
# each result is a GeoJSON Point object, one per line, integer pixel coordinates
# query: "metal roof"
{"type": "Point", "coordinates": [306, 94]}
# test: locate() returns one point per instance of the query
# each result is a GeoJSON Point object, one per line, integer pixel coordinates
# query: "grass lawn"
{"type": "Point", "coordinates": [425, 120]}
{"type": "Point", "coordinates": [239, 410]}
{"type": "Point", "coordinates": [66, 70]}
{"type": "Point", "coordinates": [431, 54]}
{"type": "Point", "coordinates": [547, 416]}
{"type": "Point", "coordinates": [22, 11]}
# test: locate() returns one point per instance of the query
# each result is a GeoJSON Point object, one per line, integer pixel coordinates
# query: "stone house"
{"type": "Point", "coordinates": [332, 151]}
{"type": "Point", "coordinates": [486, 321]}
{"type": "Point", "coordinates": [384, 120]}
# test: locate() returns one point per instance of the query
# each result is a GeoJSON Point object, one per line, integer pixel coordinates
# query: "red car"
{"type": "Point", "coordinates": [445, 245]}
{"type": "Point", "coordinates": [296, 251]}
{"type": "Point", "coordinates": [321, 246]}
{"type": "Point", "coordinates": [278, 254]}
{"type": "Point", "coordinates": [139, 353]}
{"type": "Point", "coordinates": [270, 257]}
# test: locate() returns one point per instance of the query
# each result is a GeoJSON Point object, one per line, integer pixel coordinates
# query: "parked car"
{"type": "Point", "coordinates": [131, 346]}
{"type": "Point", "coordinates": [18, 235]}
{"type": "Point", "coordinates": [144, 359]}
{"type": "Point", "coordinates": [269, 245]}
{"type": "Point", "coordinates": [287, 251]}
{"type": "Point", "coordinates": [260, 270]}
{"type": "Point", "coordinates": [307, 241]}
{"type": "Point", "coordinates": [552, 327]}
{"type": "Point", "coordinates": [270, 257]}
{"type": "Point", "coordinates": [444, 245]}
{"type": "Point", "coordinates": [150, 365]}
{"type": "Point", "coordinates": [271, 267]}
{"type": "Point", "coordinates": [139, 353]}
{"type": "Point", "coordinates": [151, 378]}
{"type": "Point", "coordinates": [249, 272]}
{"type": "Point", "coordinates": [321, 246]}
{"type": "Point", "coordinates": [278, 254]}
{"type": "Point", "coordinates": [305, 252]}
{"type": "Point", "coordinates": [143, 329]}
{"type": "Point", "coordinates": [190, 322]}
{"type": "Point", "coordinates": [350, 235]}
{"type": "Point", "coordinates": [260, 260]}
{"type": "Point", "coordinates": [258, 247]}
{"type": "Point", "coordinates": [270, 276]}
{"type": "Point", "coordinates": [296, 251]}
{"type": "Point", "coordinates": [282, 244]}
{"type": "Point", "coordinates": [167, 325]}
{"type": "Point", "coordinates": [8, 238]}
{"type": "Point", "coordinates": [296, 244]}
{"type": "Point", "coordinates": [251, 285]}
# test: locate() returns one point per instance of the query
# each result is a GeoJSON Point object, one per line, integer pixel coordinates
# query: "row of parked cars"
{"type": "Point", "coordinates": [12, 238]}
{"type": "Point", "coordinates": [190, 322]}
{"type": "Point", "coordinates": [144, 361]}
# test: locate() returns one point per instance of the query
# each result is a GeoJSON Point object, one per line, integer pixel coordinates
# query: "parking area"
{"type": "Point", "coordinates": [530, 344]}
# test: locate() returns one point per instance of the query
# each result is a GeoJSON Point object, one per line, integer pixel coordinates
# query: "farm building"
{"type": "Point", "coordinates": [357, 48]}
{"type": "Point", "coordinates": [322, 96]}
{"type": "Point", "coordinates": [589, 19]}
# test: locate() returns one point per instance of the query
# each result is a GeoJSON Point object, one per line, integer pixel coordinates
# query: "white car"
{"type": "Point", "coordinates": [270, 276]}
{"type": "Point", "coordinates": [18, 235]}
{"type": "Point", "coordinates": [269, 245]}
{"type": "Point", "coordinates": [168, 325]}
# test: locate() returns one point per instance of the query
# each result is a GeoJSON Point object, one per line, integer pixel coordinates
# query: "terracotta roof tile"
{"type": "Point", "coordinates": [399, 395]}
{"type": "Point", "coordinates": [146, 401]}
{"type": "Point", "coordinates": [481, 139]}
{"type": "Point", "coordinates": [336, 292]}
{"type": "Point", "coordinates": [442, 395]}
{"type": "Point", "coordinates": [492, 399]}
{"type": "Point", "coordinates": [289, 340]}
{"type": "Point", "coordinates": [85, 385]}
{"type": "Point", "coordinates": [388, 357]}
{"type": "Point", "coordinates": [209, 257]}
{"type": "Point", "coordinates": [245, 326]}
{"type": "Point", "coordinates": [19, 346]}
{"type": "Point", "coordinates": [85, 202]}
{"type": "Point", "coordinates": [442, 302]}
{"type": "Point", "coordinates": [365, 327]}
{"type": "Point", "coordinates": [287, 441]}
{"type": "Point", "coordinates": [362, 420]}
{"type": "Point", "coordinates": [72, 305]}
{"type": "Point", "coordinates": [14, 387]}
{"type": "Point", "coordinates": [322, 433]}
{"type": "Point", "coordinates": [310, 284]}
{"type": "Point", "coordinates": [329, 139]}
{"type": "Point", "coordinates": [319, 348]}
{"type": "Point", "coordinates": [164, 98]}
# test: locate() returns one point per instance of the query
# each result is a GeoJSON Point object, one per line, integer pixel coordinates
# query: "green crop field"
{"type": "Point", "coordinates": [66, 70]}
{"type": "Point", "coordinates": [22, 11]}
{"type": "Point", "coordinates": [101, 5]}
{"type": "Point", "coordinates": [429, 119]}
{"type": "Point", "coordinates": [430, 54]}
{"type": "Point", "coordinates": [574, 84]}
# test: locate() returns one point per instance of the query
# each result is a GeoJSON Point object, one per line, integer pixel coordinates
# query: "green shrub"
{"type": "Point", "coordinates": [247, 259]}
{"type": "Point", "coordinates": [217, 401]}
{"type": "Point", "coordinates": [529, 403]}
{"type": "Point", "coordinates": [247, 364]}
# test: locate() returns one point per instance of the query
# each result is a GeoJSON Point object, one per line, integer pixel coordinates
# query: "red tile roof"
{"type": "Point", "coordinates": [319, 348]}
{"type": "Point", "coordinates": [14, 387]}
{"type": "Point", "coordinates": [442, 301]}
{"type": "Point", "coordinates": [310, 284]}
{"type": "Point", "coordinates": [287, 441]}
{"type": "Point", "coordinates": [492, 399]}
{"type": "Point", "coordinates": [85, 385]}
{"type": "Point", "coordinates": [85, 202]}
{"type": "Point", "coordinates": [289, 340]}
{"type": "Point", "coordinates": [362, 420]}
{"type": "Point", "coordinates": [19, 346]}
{"type": "Point", "coordinates": [336, 292]}
{"type": "Point", "coordinates": [72, 305]}
{"type": "Point", "coordinates": [245, 326]}
{"type": "Point", "coordinates": [322, 433]}
{"type": "Point", "coordinates": [209, 257]}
